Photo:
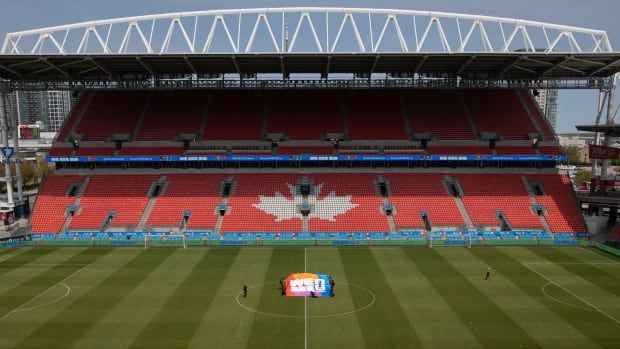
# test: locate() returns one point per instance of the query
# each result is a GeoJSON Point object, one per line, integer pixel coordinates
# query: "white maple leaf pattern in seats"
{"type": "Point", "coordinates": [330, 206]}
{"type": "Point", "coordinates": [281, 206]}
{"type": "Point", "coordinates": [284, 208]}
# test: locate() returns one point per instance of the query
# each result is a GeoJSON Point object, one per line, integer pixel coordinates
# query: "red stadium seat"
{"type": "Point", "coordinates": [413, 193]}
{"type": "Point", "coordinates": [243, 215]}
{"type": "Point", "coordinates": [305, 114]}
{"type": "Point", "coordinates": [183, 194]}
{"type": "Point", "coordinates": [560, 203]}
{"type": "Point", "coordinates": [235, 115]}
{"type": "Point", "coordinates": [84, 151]}
{"type": "Point", "coordinates": [111, 112]}
{"type": "Point", "coordinates": [484, 195]}
{"type": "Point", "coordinates": [82, 101]}
{"type": "Point", "coordinates": [296, 150]}
{"type": "Point", "coordinates": [499, 111]}
{"type": "Point", "coordinates": [514, 150]}
{"type": "Point", "coordinates": [438, 112]}
{"type": "Point", "coordinates": [150, 151]}
{"type": "Point", "coordinates": [338, 193]}
{"type": "Point", "coordinates": [371, 120]}
{"type": "Point", "coordinates": [52, 202]}
{"type": "Point", "coordinates": [532, 105]}
{"type": "Point", "coordinates": [171, 113]}
{"type": "Point", "coordinates": [125, 194]}
{"type": "Point", "coordinates": [459, 150]}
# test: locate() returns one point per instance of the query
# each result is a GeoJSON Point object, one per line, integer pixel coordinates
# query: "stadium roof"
{"type": "Point", "coordinates": [508, 65]}
{"type": "Point", "coordinates": [611, 130]}
{"type": "Point", "coordinates": [308, 40]}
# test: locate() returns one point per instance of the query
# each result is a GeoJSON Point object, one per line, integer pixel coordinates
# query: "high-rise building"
{"type": "Point", "coordinates": [49, 107]}
{"type": "Point", "coordinates": [548, 101]}
{"type": "Point", "coordinates": [58, 107]}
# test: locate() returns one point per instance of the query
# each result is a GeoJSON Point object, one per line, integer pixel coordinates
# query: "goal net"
{"type": "Point", "coordinates": [159, 240]}
{"type": "Point", "coordinates": [440, 239]}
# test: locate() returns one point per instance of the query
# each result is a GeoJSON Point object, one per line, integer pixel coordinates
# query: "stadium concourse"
{"type": "Point", "coordinates": [117, 176]}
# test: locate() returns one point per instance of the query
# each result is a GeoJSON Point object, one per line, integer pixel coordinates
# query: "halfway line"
{"type": "Point", "coordinates": [305, 302]}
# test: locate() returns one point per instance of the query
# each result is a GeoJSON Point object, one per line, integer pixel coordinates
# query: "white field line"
{"type": "Point", "coordinates": [19, 308]}
{"type": "Point", "coordinates": [67, 292]}
{"type": "Point", "coordinates": [370, 304]}
{"type": "Point", "coordinates": [42, 264]}
{"type": "Point", "coordinates": [8, 257]}
{"type": "Point", "coordinates": [560, 301]}
{"type": "Point", "coordinates": [305, 302]}
{"type": "Point", "coordinates": [574, 263]}
{"type": "Point", "coordinates": [572, 294]}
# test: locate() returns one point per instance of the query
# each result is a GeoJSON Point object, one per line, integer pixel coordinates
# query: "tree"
{"type": "Point", "coordinates": [572, 155]}
{"type": "Point", "coordinates": [582, 177]}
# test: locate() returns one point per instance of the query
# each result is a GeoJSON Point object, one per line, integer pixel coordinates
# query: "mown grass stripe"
{"type": "Point", "coordinates": [19, 260]}
{"type": "Point", "coordinates": [15, 274]}
{"type": "Point", "coordinates": [608, 256]}
{"type": "Point", "coordinates": [177, 320]}
{"type": "Point", "coordinates": [276, 332]}
{"type": "Point", "coordinates": [428, 312]}
{"type": "Point", "coordinates": [74, 321]}
{"type": "Point", "coordinates": [120, 327]}
{"type": "Point", "coordinates": [591, 323]}
{"type": "Point", "coordinates": [47, 277]}
{"type": "Point", "coordinates": [10, 253]}
{"type": "Point", "coordinates": [597, 276]}
{"type": "Point", "coordinates": [606, 276]}
{"type": "Point", "coordinates": [340, 331]}
{"type": "Point", "coordinates": [384, 325]}
{"type": "Point", "coordinates": [231, 322]}
{"type": "Point", "coordinates": [593, 255]}
{"type": "Point", "coordinates": [476, 311]}
{"type": "Point", "coordinates": [512, 284]}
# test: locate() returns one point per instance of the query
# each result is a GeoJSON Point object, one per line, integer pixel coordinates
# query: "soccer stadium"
{"type": "Point", "coordinates": [309, 177]}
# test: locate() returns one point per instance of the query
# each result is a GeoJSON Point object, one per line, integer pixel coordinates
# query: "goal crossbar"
{"type": "Point", "coordinates": [162, 240]}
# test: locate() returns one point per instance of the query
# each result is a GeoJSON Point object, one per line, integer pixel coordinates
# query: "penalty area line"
{"type": "Point", "coordinates": [574, 295]}
{"type": "Point", "coordinates": [572, 263]}
{"type": "Point", "coordinates": [61, 282]}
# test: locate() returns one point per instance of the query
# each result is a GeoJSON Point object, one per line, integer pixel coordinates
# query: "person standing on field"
{"type": "Point", "coordinates": [487, 275]}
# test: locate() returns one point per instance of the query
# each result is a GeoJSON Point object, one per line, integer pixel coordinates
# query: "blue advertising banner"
{"type": "Point", "coordinates": [243, 158]}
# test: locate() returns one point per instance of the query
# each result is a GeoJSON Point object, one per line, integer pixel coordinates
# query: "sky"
{"type": "Point", "coordinates": [574, 106]}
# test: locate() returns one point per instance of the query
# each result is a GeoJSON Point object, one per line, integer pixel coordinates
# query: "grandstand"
{"type": "Point", "coordinates": [418, 124]}
{"type": "Point", "coordinates": [185, 148]}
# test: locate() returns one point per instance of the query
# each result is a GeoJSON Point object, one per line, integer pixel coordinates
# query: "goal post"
{"type": "Point", "coordinates": [165, 240]}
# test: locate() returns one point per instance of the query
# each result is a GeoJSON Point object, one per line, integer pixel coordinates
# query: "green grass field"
{"type": "Point", "coordinates": [74, 297]}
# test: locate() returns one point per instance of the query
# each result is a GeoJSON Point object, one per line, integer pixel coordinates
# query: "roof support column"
{"type": "Point", "coordinates": [18, 164]}
{"type": "Point", "coordinates": [602, 97]}
{"type": "Point", "coordinates": [609, 121]}
{"type": "Point", "coordinates": [4, 132]}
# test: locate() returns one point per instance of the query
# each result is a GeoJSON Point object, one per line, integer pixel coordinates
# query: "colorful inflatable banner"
{"type": "Point", "coordinates": [307, 284]}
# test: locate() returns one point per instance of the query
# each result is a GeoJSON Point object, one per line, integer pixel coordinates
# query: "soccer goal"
{"type": "Point", "coordinates": [466, 241]}
{"type": "Point", "coordinates": [164, 240]}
